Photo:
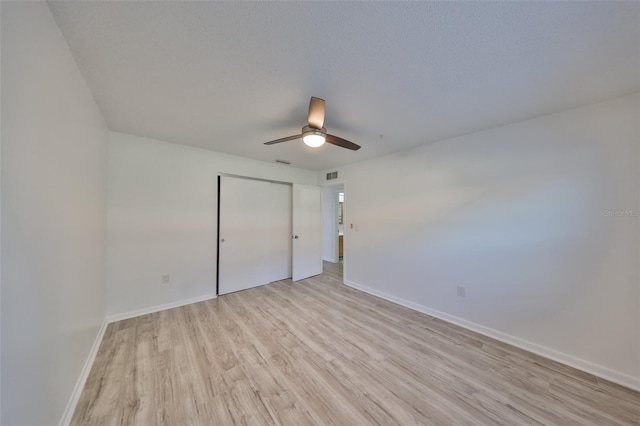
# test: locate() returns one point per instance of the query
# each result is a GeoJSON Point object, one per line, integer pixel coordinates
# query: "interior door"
{"type": "Point", "coordinates": [245, 232]}
{"type": "Point", "coordinates": [307, 231]}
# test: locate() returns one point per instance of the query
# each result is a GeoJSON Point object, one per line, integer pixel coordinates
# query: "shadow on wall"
{"type": "Point", "coordinates": [518, 233]}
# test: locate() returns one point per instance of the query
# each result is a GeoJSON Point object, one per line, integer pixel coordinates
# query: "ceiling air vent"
{"type": "Point", "coordinates": [283, 162]}
{"type": "Point", "coordinates": [332, 175]}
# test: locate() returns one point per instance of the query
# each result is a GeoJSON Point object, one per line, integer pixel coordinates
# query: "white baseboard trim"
{"type": "Point", "coordinates": [580, 364]}
{"type": "Point", "coordinates": [77, 390]}
{"type": "Point", "coordinates": [158, 308]}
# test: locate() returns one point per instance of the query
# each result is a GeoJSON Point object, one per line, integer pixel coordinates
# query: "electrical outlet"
{"type": "Point", "coordinates": [166, 279]}
{"type": "Point", "coordinates": [462, 292]}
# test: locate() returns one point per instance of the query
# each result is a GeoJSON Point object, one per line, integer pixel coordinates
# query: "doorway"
{"type": "Point", "coordinates": [333, 235]}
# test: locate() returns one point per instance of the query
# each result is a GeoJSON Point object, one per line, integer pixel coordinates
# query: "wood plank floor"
{"type": "Point", "coordinates": [319, 352]}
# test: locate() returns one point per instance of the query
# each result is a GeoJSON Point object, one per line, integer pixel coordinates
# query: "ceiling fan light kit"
{"type": "Point", "coordinates": [314, 137]}
{"type": "Point", "coordinates": [315, 134]}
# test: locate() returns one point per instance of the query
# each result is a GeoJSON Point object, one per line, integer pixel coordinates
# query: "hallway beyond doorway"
{"type": "Point", "coordinates": [334, 270]}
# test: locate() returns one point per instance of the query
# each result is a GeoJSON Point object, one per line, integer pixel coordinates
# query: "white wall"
{"type": "Point", "coordinates": [0, 218]}
{"type": "Point", "coordinates": [162, 216]}
{"type": "Point", "coordinates": [516, 215]}
{"type": "Point", "coordinates": [54, 153]}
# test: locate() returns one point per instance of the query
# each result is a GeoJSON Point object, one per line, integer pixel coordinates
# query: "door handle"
{"type": "Point", "coordinates": [222, 240]}
{"type": "Point", "coordinates": [295, 237]}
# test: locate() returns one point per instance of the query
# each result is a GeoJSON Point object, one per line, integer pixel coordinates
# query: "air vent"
{"type": "Point", "coordinates": [332, 175]}
{"type": "Point", "coordinates": [283, 162]}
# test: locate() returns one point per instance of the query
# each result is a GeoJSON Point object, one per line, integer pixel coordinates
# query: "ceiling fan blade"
{"type": "Point", "coordinates": [342, 142]}
{"type": "Point", "coordinates": [288, 138]}
{"type": "Point", "coordinates": [316, 113]}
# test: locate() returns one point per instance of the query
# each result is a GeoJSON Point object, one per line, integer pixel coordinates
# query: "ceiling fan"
{"type": "Point", "coordinates": [314, 134]}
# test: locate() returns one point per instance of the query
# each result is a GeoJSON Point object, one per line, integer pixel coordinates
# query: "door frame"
{"type": "Point", "coordinates": [337, 228]}
{"type": "Point", "coordinates": [345, 224]}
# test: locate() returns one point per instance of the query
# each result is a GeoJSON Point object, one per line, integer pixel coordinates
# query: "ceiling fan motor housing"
{"type": "Point", "coordinates": [308, 130]}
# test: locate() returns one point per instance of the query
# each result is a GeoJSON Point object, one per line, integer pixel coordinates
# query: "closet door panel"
{"type": "Point", "coordinates": [281, 240]}
{"type": "Point", "coordinates": [245, 234]}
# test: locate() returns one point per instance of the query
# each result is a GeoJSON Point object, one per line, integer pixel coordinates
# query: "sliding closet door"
{"type": "Point", "coordinates": [280, 245]}
{"type": "Point", "coordinates": [245, 232]}
{"type": "Point", "coordinates": [256, 244]}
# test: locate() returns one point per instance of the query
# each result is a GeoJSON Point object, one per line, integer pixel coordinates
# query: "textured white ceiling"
{"type": "Point", "coordinates": [229, 76]}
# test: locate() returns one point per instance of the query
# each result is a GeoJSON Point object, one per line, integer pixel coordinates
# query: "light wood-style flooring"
{"type": "Point", "coordinates": [319, 352]}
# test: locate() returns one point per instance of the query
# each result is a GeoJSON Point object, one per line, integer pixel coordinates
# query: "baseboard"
{"type": "Point", "coordinates": [580, 364]}
{"type": "Point", "coordinates": [77, 390]}
{"type": "Point", "coordinates": [158, 308]}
